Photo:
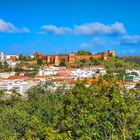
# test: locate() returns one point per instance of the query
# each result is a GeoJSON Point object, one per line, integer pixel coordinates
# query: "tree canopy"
{"type": "Point", "coordinates": [83, 52]}
{"type": "Point", "coordinates": [39, 61]}
{"type": "Point", "coordinates": [101, 111]}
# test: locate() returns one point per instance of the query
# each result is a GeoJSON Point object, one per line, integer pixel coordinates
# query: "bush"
{"type": "Point", "coordinates": [82, 52]}
{"type": "Point", "coordinates": [39, 61]}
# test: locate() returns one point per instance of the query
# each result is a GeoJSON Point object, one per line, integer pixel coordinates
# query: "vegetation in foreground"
{"type": "Point", "coordinates": [100, 112]}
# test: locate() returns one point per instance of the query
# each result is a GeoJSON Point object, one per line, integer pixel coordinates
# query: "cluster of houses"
{"type": "Point", "coordinates": [18, 83]}
{"type": "Point", "coordinates": [64, 73]}
{"type": "Point", "coordinates": [6, 57]}
{"type": "Point", "coordinates": [9, 81]}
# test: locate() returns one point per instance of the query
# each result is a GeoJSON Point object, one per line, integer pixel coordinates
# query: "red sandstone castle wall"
{"type": "Point", "coordinates": [80, 57]}
{"type": "Point", "coordinates": [63, 57]}
{"type": "Point", "coordinates": [71, 58]}
{"type": "Point", "coordinates": [97, 56]}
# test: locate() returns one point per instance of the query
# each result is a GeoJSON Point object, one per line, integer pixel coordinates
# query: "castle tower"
{"type": "Point", "coordinates": [37, 55]}
{"type": "Point", "coordinates": [71, 58]}
{"type": "Point", "coordinates": [56, 61]}
{"type": "Point", "coordinates": [48, 59]}
{"type": "Point", "coordinates": [113, 52]}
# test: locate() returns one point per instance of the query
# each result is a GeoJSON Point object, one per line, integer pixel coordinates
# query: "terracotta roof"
{"type": "Point", "coordinates": [18, 77]}
{"type": "Point", "coordinates": [42, 77]}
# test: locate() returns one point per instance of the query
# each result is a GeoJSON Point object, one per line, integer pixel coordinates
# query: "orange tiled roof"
{"type": "Point", "coordinates": [17, 77]}
{"type": "Point", "coordinates": [42, 77]}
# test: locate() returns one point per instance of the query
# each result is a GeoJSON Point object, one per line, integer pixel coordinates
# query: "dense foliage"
{"type": "Point", "coordinates": [102, 111]}
{"type": "Point", "coordinates": [25, 58]}
{"type": "Point", "coordinates": [117, 64]}
{"type": "Point", "coordinates": [83, 52]}
{"type": "Point", "coordinates": [4, 67]}
{"type": "Point", "coordinates": [39, 61]}
{"type": "Point", "coordinates": [63, 63]}
{"type": "Point", "coordinates": [113, 64]}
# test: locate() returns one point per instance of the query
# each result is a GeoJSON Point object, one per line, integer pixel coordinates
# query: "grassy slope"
{"type": "Point", "coordinates": [134, 59]}
{"type": "Point", "coordinates": [119, 64]}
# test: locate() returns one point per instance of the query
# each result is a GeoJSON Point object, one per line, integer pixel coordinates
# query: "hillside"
{"type": "Point", "coordinates": [134, 59]}
{"type": "Point", "coordinates": [119, 64]}
{"type": "Point", "coordinates": [112, 63]}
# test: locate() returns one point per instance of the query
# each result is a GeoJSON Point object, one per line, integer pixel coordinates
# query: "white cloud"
{"type": "Point", "coordinates": [55, 30]}
{"type": "Point", "coordinates": [96, 42]}
{"type": "Point", "coordinates": [88, 29]}
{"type": "Point", "coordinates": [93, 29]}
{"type": "Point", "coordinates": [7, 27]}
{"type": "Point", "coordinates": [130, 40]}
{"type": "Point", "coordinates": [24, 30]}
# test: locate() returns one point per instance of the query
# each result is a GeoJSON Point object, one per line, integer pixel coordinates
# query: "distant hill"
{"type": "Point", "coordinates": [134, 59]}
{"type": "Point", "coordinates": [112, 63]}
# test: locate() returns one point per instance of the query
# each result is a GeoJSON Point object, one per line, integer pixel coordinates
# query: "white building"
{"type": "Point", "coordinates": [133, 70]}
{"type": "Point", "coordinates": [19, 85]}
{"type": "Point", "coordinates": [2, 57]}
{"type": "Point", "coordinates": [132, 78]}
{"type": "Point", "coordinates": [78, 73]}
{"type": "Point", "coordinates": [50, 70]}
{"type": "Point", "coordinates": [8, 57]}
{"type": "Point", "coordinates": [7, 74]}
{"type": "Point", "coordinates": [129, 85]}
{"type": "Point", "coordinates": [12, 64]}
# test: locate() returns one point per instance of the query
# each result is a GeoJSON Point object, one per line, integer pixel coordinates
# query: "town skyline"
{"type": "Point", "coordinates": [55, 27]}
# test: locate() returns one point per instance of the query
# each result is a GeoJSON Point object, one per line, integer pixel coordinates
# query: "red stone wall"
{"type": "Point", "coordinates": [80, 57]}
{"type": "Point", "coordinates": [97, 56]}
{"type": "Point", "coordinates": [71, 58]}
{"type": "Point", "coordinates": [63, 57]}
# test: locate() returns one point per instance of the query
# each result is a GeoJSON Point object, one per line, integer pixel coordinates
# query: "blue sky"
{"type": "Point", "coordinates": [63, 26]}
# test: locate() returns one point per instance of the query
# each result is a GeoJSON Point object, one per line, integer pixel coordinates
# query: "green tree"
{"type": "Point", "coordinates": [1, 65]}
{"type": "Point", "coordinates": [83, 61]}
{"type": "Point", "coordinates": [95, 61]}
{"type": "Point", "coordinates": [83, 52]}
{"type": "Point", "coordinates": [63, 63]}
{"type": "Point", "coordinates": [134, 73]}
{"type": "Point", "coordinates": [39, 61]}
{"type": "Point", "coordinates": [5, 65]}
{"type": "Point", "coordinates": [22, 57]}
{"type": "Point", "coordinates": [102, 110]}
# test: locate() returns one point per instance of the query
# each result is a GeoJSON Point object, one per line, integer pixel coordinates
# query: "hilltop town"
{"type": "Point", "coordinates": [69, 70]}
{"type": "Point", "coordinates": [21, 72]}
{"type": "Point", "coordinates": [67, 96]}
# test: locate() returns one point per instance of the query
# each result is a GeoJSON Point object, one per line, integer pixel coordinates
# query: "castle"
{"type": "Point", "coordinates": [72, 58]}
